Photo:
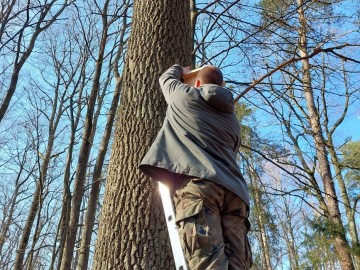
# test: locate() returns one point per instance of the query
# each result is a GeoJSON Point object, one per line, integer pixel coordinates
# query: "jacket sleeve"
{"type": "Point", "coordinates": [170, 82]}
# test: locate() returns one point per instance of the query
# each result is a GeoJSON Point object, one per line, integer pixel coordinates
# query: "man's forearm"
{"type": "Point", "coordinates": [170, 81]}
{"type": "Point", "coordinates": [174, 72]}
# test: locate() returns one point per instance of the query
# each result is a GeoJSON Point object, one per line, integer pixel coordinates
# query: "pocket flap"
{"type": "Point", "coordinates": [191, 208]}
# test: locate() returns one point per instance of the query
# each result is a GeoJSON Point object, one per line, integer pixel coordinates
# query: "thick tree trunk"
{"type": "Point", "coordinates": [193, 17]}
{"type": "Point", "coordinates": [132, 233]}
{"type": "Point", "coordinates": [338, 232]}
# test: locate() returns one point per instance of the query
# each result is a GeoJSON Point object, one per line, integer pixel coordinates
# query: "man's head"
{"type": "Point", "coordinates": [209, 75]}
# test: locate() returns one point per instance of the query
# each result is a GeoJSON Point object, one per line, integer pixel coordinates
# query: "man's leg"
{"type": "Point", "coordinates": [235, 225]}
{"type": "Point", "coordinates": [198, 203]}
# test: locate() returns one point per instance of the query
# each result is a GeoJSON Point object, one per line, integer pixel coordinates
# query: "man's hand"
{"type": "Point", "coordinates": [186, 70]}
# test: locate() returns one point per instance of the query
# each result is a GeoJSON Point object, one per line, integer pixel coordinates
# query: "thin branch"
{"type": "Point", "coordinates": [292, 60]}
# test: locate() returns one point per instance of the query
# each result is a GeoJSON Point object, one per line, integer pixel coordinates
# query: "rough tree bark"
{"type": "Point", "coordinates": [132, 232]}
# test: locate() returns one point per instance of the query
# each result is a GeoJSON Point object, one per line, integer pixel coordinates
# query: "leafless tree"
{"type": "Point", "coordinates": [13, 191]}
{"type": "Point", "coordinates": [98, 169]}
{"type": "Point", "coordinates": [90, 123]}
{"type": "Point", "coordinates": [21, 24]}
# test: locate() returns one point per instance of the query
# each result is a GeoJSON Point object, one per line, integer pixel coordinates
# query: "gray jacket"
{"type": "Point", "coordinates": [200, 135]}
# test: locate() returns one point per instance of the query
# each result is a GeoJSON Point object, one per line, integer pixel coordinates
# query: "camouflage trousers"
{"type": "Point", "coordinates": [213, 226]}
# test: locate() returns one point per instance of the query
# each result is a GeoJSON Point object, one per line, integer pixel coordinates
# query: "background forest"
{"type": "Point", "coordinates": [68, 93]}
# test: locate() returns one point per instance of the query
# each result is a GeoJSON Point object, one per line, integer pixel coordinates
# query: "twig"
{"type": "Point", "coordinates": [295, 59]}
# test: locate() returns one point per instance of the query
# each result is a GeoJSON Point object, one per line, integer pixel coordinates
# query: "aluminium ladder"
{"type": "Point", "coordinates": [177, 251]}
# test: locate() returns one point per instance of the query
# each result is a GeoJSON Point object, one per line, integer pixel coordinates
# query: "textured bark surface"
{"type": "Point", "coordinates": [132, 231]}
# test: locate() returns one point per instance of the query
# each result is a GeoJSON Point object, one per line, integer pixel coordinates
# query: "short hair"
{"type": "Point", "coordinates": [210, 75]}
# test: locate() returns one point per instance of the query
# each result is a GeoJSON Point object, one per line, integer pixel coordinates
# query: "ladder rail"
{"type": "Point", "coordinates": [168, 207]}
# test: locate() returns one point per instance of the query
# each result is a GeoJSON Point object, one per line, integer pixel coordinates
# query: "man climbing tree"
{"type": "Point", "coordinates": [195, 154]}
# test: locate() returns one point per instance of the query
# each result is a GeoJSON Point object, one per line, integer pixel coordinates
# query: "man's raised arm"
{"type": "Point", "coordinates": [170, 81]}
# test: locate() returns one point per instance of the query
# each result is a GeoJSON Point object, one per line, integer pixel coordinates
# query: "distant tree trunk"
{"type": "Point", "coordinates": [29, 262]}
{"type": "Point", "coordinates": [36, 203]}
{"type": "Point", "coordinates": [96, 182]}
{"type": "Point", "coordinates": [338, 232]}
{"type": "Point", "coordinates": [86, 145]}
{"type": "Point", "coordinates": [258, 213]}
{"type": "Point", "coordinates": [132, 232]}
{"type": "Point", "coordinates": [66, 201]}
{"type": "Point", "coordinates": [24, 240]}
{"type": "Point", "coordinates": [288, 229]}
{"type": "Point", "coordinates": [8, 215]}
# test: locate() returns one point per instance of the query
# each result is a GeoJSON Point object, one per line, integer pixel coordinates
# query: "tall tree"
{"type": "Point", "coordinates": [303, 116]}
{"type": "Point", "coordinates": [331, 199]}
{"type": "Point", "coordinates": [89, 130]}
{"type": "Point", "coordinates": [43, 161]}
{"type": "Point", "coordinates": [132, 232]}
{"type": "Point", "coordinates": [87, 232]}
{"type": "Point", "coordinates": [12, 193]}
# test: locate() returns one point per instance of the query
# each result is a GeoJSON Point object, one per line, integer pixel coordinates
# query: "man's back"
{"type": "Point", "coordinates": [200, 135]}
{"type": "Point", "coordinates": [195, 152]}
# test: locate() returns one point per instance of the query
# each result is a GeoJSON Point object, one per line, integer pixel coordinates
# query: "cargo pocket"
{"type": "Point", "coordinates": [193, 228]}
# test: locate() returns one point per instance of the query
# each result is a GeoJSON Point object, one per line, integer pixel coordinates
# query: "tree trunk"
{"type": "Point", "coordinates": [66, 201]}
{"type": "Point", "coordinates": [37, 197]}
{"type": "Point", "coordinates": [288, 229]}
{"type": "Point", "coordinates": [24, 240]}
{"type": "Point", "coordinates": [8, 215]}
{"type": "Point", "coordinates": [132, 233]}
{"type": "Point", "coordinates": [258, 211]}
{"type": "Point", "coordinates": [292, 249]}
{"type": "Point", "coordinates": [338, 232]}
{"type": "Point", "coordinates": [350, 212]}
{"type": "Point", "coordinates": [96, 183]}
{"type": "Point", "coordinates": [87, 140]}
